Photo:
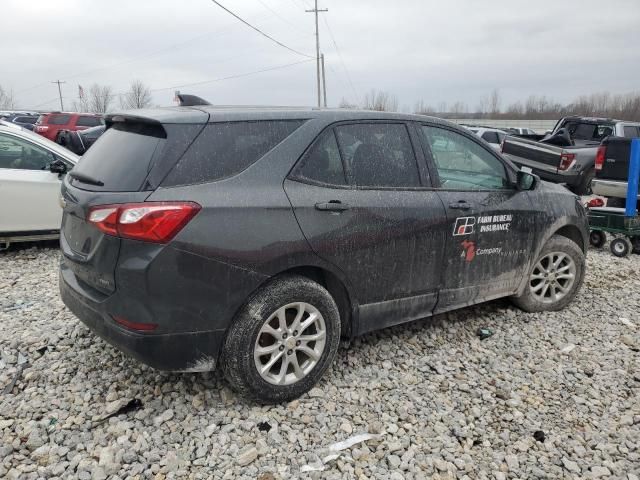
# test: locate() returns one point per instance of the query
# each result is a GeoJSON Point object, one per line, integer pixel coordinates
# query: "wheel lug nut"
{"type": "Point", "coordinates": [289, 352]}
{"type": "Point", "coordinates": [284, 335]}
{"type": "Point", "coordinates": [298, 343]}
{"type": "Point", "coordinates": [281, 347]}
{"type": "Point", "coordinates": [296, 332]}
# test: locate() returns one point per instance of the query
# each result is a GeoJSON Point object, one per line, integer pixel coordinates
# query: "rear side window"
{"type": "Point", "coordinates": [225, 149]}
{"type": "Point", "coordinates": [30, 120]}
{"type": "Point", "coordinates": [491, 137]}
{"type": "Point", "coordinates": [58, 119]}
{"type": "Point", "coordinates": [323, 163]}
{"type": "Point", "coordinates": [84, 121]}
{"type": "Point", "coordinates": [631, 132]}
{"type": "Point", "coordinates": [378, 155]}
{"type": "Point", "coordinates": [120, 159]}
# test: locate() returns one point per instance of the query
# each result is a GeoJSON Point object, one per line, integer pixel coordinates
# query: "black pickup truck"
{"type": "Point", "coordinates": [567, 154]}
{"type": "Point", "coordinates": [612, 170]}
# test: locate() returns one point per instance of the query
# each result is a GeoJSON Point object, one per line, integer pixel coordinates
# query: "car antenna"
{"type": "Point", "coordinates": [190, 100]}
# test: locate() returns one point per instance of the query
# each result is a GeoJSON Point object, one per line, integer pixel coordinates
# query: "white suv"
{"type": "Point", "coordinates": [30, 171]}
{"type": "Point", "coordinates": [492, 136]}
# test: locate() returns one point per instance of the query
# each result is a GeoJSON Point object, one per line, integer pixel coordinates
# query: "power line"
{"type": "Point", "coordinates": [240, 75]}
{"type": "Point", "coordinates": [260, 31]}
{"type": "Point", "coordinates": [344, 66]}
{"type": "Point", "coordinates": [281, 17]}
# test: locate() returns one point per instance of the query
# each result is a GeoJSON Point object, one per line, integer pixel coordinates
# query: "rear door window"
{"type": "Point", "coordinates": [58, 119]}
{"type": "Point", "coordinates": [631, 132]}
{"type": "Point", "coordinates": [378, 155]}
{"type": "Point", "coordinates": [87, 121]}
{"type": "Point", "coordinates": [322, 163]}
{"type": "Point", "coordinates": [226, 149]}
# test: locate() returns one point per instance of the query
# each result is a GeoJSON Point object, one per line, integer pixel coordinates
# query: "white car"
{"type": "Point", "coordinates": [492, 136]}
{"type": "Point", "coordinates": [31, 168]}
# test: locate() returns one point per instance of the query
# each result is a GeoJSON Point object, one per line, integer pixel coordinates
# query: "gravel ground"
{"type": "Point", "coordinates": [552, 395]}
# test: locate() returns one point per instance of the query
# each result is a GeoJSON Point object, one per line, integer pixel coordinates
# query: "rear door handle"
{"type": "Point", "coordinates": [333, 206]}
{"type": "Point", "coordinates": [461, 205]}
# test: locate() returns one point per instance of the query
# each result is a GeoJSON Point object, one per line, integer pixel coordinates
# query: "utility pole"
{"type": "Point", "coordinates": [324, 81]}
{"type": "Point", "coordinates": [316, 11]}
{"type": "Point", "coordinates": [60, 93]}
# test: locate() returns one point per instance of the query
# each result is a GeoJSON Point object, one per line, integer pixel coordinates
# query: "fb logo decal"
{"type": "Point", "coordinates": [464, 226]}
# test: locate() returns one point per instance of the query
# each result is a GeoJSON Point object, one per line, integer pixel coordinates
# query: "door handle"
{"type": "Point", "coordinates": [461, 205]}
{"type": "Point", "coordinates": [333, 206]}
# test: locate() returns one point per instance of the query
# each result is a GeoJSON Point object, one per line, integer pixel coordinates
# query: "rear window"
{"type": "Point", "coordinates": [631, 132]}
{"type": "Point", "coordinates": [85, 121]}
{"type": "Point", "coordinates": [30, 120]}
{"type": "Point", "coordinates": [120, 159]}
{"type": "Point", "coordinates": [58, 119]}
{"type": "Point", "coordinates": [225, 149]}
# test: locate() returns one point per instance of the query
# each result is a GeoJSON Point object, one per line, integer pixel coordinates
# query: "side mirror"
{"type": "Point", "coordinates": [58, 166]}
{"type": "Point", "coordinates": [526, 180]}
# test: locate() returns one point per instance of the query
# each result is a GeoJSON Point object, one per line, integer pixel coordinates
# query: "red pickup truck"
{"type": "Point", "coordinates": [49, 124]}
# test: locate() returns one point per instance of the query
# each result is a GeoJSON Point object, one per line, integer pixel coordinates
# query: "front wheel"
{"type": "Point", "coordinates": [282, 341]}
{"type": "Point", "coordinates": [555, 278]}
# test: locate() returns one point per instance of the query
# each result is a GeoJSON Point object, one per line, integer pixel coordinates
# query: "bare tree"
{"type": "Point", "coordinates": [494, 103]}
{"type": "Point", "coordinates": [380, 101]}
{"type": "Point", "coordinates": [422, 108]}
{"type": "Point", "coordinates": [100, 98]}
{"type": "Point", "coordinates": [7, 100]}
{"type": "Point", "coordinates": [138, 96]}
{"type": "Point", "coordinates": [344, 103]}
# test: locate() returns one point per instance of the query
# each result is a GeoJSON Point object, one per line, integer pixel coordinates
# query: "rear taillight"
{"type": "Point", "coordinates": [600, 157]}
{"type": "Point", "coordinates": [566, 161]}
{"type": "Point", "coordinates": [42, 128]}
{"type": "Point", "coordinates": [156, 222]}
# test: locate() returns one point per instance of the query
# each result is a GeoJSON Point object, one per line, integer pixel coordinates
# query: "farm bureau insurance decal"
{"type": "Point", "coordinates": [494, 223]}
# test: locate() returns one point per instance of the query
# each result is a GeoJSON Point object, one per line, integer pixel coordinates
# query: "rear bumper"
{"type": "Point", "coordinates": [571, 177]}
{"type": "Point", "coordinates": [190, 351]}
{"type": "Point", "coordinates": [610, 188]}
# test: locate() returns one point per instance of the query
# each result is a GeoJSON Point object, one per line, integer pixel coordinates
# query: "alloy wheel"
{"type": "Point", "coordinates": [290, 343]}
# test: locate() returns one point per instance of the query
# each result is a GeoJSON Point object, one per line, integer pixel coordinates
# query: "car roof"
{"type": "Point", "coordinates": [201, 114]}
{"type": "Point", "coordinates": [17, 130]}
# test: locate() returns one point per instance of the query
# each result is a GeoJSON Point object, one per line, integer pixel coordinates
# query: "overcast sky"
{"type": "Point", "coordinates": [434, 50]}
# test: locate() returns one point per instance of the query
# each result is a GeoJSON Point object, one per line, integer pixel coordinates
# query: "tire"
{"type": "Point", "coordinates": [572, 261]}
{"type": "Point", "coordinates": [301, 298]}
{"type": "Point", "coordinates": [635, 244]}
{"type": "Point", "coordinates": [621, 246]}
{"type": "Point", "coordinates": [584, 187]}
{"type": "Point", "coordinates": [597, 238]}
{"type": "Point", "coordinates": [616, 202]}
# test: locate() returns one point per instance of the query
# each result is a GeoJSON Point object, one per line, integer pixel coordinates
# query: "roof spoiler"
{"type": "Point", "coordinates": [190, 100]}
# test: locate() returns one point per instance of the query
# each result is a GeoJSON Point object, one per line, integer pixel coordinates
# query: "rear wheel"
{"type": "Point", "coordinates": [282, 341]}
{"type": "Point", "coordinates": [555, 277]}
{"type": "Point", "coordinates": [621, 246]}
{"type": "Point", "coordinates": [597, 238]}
{"type": "Point", "coordinates": [584, 187]}
{"type": "Point", "coordinates": [635, 243]}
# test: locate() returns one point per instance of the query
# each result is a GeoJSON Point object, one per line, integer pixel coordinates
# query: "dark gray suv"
{"type": "Point", "coordinates": [195, 236]}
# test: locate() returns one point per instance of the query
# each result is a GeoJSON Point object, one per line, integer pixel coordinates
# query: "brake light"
{"type": "Point", "coordinates": [600, 157]}
{"type": "Point", "coordinates": [156, 222]}
{"type": "Point", "coordinates": [566, 161]}
{"type": "Point", "coordinates": [42, 128]}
